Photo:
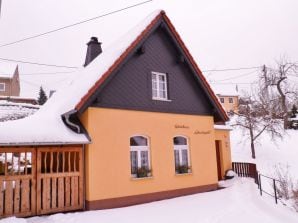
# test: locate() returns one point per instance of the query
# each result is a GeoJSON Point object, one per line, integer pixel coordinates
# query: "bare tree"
{"type": "Point", "coordinates": [253, 117]}
{"type": "Point", "coordinates": [276, 88]}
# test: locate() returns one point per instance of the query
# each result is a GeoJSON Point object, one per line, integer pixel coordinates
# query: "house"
{"type": "Point", "coordinates": [137, 123]}
{"type": "Point", "coordinates": [10, 110]}
{"type": "Point", "coordinates": [230, 102]}
{"type": "Point", "coordinates": [9, 80]}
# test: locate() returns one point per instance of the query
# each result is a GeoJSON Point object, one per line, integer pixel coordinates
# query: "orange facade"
{"type": "Point", "coordinates": [107, 158]}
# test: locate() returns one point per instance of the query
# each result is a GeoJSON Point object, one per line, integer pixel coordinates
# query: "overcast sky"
{"type": "Point", "coordinates": [219, 34]}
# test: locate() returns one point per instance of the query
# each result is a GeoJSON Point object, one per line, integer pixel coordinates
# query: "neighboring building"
{"type": "Point", "coordinates": [136, 124]}
{"type": "Point", "coordinates": [9, 80]}
{"type": "Point", "coordinates": [229, 102]}
{"type": "Point", "coordinates": [10, 110]}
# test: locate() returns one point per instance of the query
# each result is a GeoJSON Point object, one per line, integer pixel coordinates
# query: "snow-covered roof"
{"type": "Point", "coordinates": [7, 69]}
{"type": "Point", "coordinates": [294, 119]}
{"type": "Point", "coordinates": [46, 125]}
{"type": "Point", "coordinates": [223, 127]}
{"type": "Point", "coordinates": [13, 111]}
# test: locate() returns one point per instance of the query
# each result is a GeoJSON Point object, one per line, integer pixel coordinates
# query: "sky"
{"type": "Point", "coordinates": [219, 35]}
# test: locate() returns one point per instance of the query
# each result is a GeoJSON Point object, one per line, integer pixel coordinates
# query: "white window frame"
{"type": "Point", "coordinates": [180, 148]}
{"type": "Point", "coordinates": [139, 149]}
{"type": "Point", "coordinates": [222, 100]}
{"type": "Point", "coordinates": [3, 88]}
{"type": "Point", "coordinates": [231, 100]}
{"type": "Point", "coordinates": [158, 90]}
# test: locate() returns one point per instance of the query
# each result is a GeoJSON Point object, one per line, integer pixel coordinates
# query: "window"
{"type": "Point", "coordinates": [139, 157]}
{"type": "Point", "coordinates": [230, 100]}
{"type": "Point", "coordinates": [181, 154]}
{"type": "Point", "coordinates": [159, 86]}
{"type": "Point", "coordinates": [222, 100]}
{"type": "Point", "coordinates": [2, 86]}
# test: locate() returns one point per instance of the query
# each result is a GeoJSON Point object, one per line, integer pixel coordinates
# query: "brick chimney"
{"type": "Point", "coordinates": [93, 50]}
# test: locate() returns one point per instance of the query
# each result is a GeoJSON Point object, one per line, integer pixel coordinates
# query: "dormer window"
{"type": "Point", "coordinates": [2, 86]}
{"type": "Point", "coordinates": [159, 86]}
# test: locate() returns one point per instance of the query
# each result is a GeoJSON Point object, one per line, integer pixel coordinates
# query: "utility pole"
{"type": "Point", "coordinates": [0, 7]}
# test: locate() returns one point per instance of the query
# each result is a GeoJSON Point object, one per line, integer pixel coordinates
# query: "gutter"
{"type": "Point", "coordinates": [42, 143]}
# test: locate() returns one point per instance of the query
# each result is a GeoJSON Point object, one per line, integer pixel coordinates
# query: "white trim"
{"type": "Point", "coordinates": [139, 149]}
{"type": "Point", "coordinates": [2, 89]}
{"type": "Point", "coordinates": [180, 148]}
{"type": "Point", "coordinates": [158, 90]}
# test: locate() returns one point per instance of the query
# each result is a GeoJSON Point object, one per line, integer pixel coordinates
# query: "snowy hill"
{"type": "Point", "coordinates": [268, 153]}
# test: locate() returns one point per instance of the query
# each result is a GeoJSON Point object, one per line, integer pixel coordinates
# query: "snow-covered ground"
{"type": "Point", "coordinates": [269, 154]}
{"type": "Point", "coordinates": [237, 203]}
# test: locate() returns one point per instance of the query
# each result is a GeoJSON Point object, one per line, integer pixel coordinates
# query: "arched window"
{"type": "Point", "coordinates": [181, 153]}
{"type": "Point", "coordinates": [139, 156]}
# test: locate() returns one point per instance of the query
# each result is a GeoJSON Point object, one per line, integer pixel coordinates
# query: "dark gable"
{"type": "Point", "coordinates": [129, 86]}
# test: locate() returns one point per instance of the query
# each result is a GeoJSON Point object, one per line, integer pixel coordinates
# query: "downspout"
{"type": "Point", "coordinates": [84, 179]}
{"type": "Point", "coordinates": [67, 120]}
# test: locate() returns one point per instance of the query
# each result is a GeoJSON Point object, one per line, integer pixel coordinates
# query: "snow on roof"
{"type": "Point", "coordinates": [294, 119]}
{"type": "Point", "coordinates": [46, 125]}
{"type": "Point", "coordinates": [7, 69]}
{"type": "Point", "coordinates": [12, 110]}
{"type": "Point", "coordinates": [223, 127]}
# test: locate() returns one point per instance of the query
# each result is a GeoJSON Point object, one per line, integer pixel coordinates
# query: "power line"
{"type": "Point", "coordinates": [232, 69]}
{"type": "Point", "coordinates": [74, 24]}
{"type": "Point", "coordinates": [235, 77]}
{"type": "Point", "coordinates": [231, 83]}
{"type": "Point", "coordinates": [39, 64]}
{"type": "Point", "coordinates": [47, 73]}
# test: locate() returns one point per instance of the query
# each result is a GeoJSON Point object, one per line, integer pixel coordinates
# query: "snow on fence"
{"type": "Point", "coordinates": [246, 170]}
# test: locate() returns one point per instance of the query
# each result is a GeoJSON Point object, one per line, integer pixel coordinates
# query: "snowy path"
{"type": "Point", "coordinates": [238, 203]}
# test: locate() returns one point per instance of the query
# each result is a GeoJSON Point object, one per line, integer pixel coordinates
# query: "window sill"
{"type": "Point", "coordinates": [141, 178]}
{"type": "Point", "coordinates": [183, 174]}
{"type": "Point", "coordinates": [161, 99]}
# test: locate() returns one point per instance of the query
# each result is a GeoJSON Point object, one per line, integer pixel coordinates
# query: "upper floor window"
{"type": "Point", "coordinates": [222, 100]}
{"type": "Point", "coordinates": [2, 86]}
{"type": "Point", "coordinates": [181, 153]}
{"type": "Point", "coordinates": [231, 100]}
{"type": "Point", "coordinates": [139, 157]}
{"type": "Point", "coordinates": [159, 86]}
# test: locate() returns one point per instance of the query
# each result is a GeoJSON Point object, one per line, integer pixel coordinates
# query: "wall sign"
{"type": "Point", "coordinates": [178, 126]}
{"type": "Point", "coordinates": [198, 132]}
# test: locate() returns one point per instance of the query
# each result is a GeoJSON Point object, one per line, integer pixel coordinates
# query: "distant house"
{"type": "Point", "coordinates": [138, 123]}
{"type": "Point", "coordinates": [230, 102]}
{"type": "Point", "coordinates": [10, 110]}
{"type": "Point", "coordinates": [9, 80]}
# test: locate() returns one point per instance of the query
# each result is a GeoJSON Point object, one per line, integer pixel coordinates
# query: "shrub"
{"type": "Point", "coordinates": [143, 172]}
{"type": "Point", "coordinates": [182, 169]}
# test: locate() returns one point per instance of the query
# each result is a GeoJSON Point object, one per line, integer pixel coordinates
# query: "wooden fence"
{"type": "Point", "coordinates": [246, 170]}
{"type": "Point", "coordinates": [40, 180]}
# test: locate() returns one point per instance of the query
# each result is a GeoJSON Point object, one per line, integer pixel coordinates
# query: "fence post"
{"type": "Point", "coordinates": [260, 184]}
{"type": "Point", "coordinates": [274, 186]}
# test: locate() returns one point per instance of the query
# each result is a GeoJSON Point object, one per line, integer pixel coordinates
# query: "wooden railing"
{"type": "Point", "coordinates": [246, 170]}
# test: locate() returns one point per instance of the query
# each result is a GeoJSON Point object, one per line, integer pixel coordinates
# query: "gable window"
{"type": "Point", "coordinates": [181, 154]}
{"type": "Point", "coordinates": [222, 100]}
{"type": "Point", "coordinates": [139, 157]}
{"type": "Point", "coordinates": [230, 100]}
{"type": "Point", "coordinates": [2, 86]}
{"type": "Point", "coordinates": [159, 86]}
